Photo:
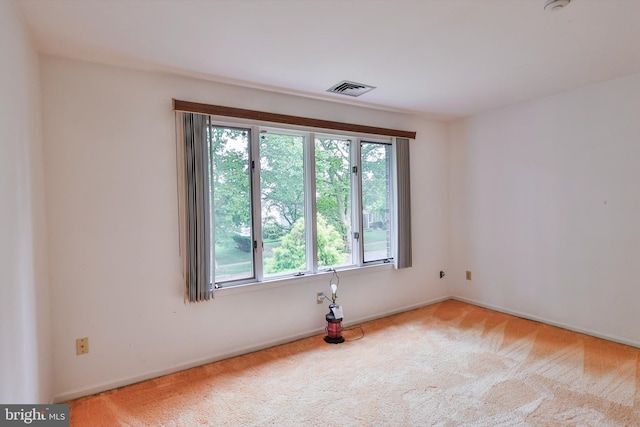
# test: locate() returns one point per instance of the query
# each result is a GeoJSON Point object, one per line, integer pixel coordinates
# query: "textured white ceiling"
{"type": "Point", "coordinates": [442, 58]}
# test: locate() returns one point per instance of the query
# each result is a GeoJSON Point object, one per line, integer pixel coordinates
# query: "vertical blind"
{"type": "Point", "coordinates": [196, 245]}
{"type": "Point", "coordinates": [403, 207]}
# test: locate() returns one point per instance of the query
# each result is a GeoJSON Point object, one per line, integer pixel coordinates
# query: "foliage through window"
{"type": "Point", "coordinates": [286, 202]}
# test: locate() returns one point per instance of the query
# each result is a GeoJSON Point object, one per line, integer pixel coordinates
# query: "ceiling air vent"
{"type": "Point", "coordinates": [346, 87]}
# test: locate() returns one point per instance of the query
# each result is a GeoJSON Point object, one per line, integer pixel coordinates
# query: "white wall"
{"type": "Point", "coordinates": [545, 209]}
{"type": "Point", "coordinates": [112, 218]}
{"type": "Point", "coordinates": [25, 356]}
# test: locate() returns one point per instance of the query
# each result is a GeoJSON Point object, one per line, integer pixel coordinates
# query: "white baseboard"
{"type": "Point", "coordinates": [110, 385]}
{"type": "Point", "coordinates": [548, 322]}
{"type": "Point", "coordinates": [396, 311]}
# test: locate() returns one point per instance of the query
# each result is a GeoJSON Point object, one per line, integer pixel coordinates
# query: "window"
{"type": "Point", "coordinates": [376, 201]}
{"type": "Point", "coordinates": [334, 201]}
{"type": "Point", "coordinates": [230, 206]}
{"type": "Point", "coordinates": [264, 202]}
{"type": "Point", "coordinates": [282, 196]}
{"type": "Point", "coordinates": [278, 208]}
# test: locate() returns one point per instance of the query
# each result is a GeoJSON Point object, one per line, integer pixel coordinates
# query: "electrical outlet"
{"type": "Point", "coordinates": [320, 298]}
{"type": "Point", "coordinates": [82, 346]}
{"type": "Point", "coordinates": [468, 275]}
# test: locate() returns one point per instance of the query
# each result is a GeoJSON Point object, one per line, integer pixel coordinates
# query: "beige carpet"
{"type": "Point", "coordinates": [448, 364]}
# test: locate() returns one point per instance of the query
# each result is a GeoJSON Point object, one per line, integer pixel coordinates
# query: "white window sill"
{"type": "Point", "coordinates": [296, 280]}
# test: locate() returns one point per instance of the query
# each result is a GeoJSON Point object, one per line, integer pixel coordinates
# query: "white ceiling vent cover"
{"type": "Point", "coordinates": [346, 87]}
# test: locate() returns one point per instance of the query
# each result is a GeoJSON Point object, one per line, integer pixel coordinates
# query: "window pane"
{"type": "Point", "coordinates": [376, 201]}
{"type": "Point", "coordinates": [231, 203]}
{"type": "Point", "coordinates": [282, 195]}
{"type": "Point", "coordinates": [333, 202]}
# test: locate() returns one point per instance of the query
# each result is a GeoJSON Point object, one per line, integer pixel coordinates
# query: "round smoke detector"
{"type": "Point", "coordinates": [555, 5]}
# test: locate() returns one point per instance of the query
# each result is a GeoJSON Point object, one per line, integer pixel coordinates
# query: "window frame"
{"type": "Point", "coordinates": [353, 188]}
{"type": "Point", "coordinates": [390, 201]}
{"type": "Point", "coordinates": [238, 127]}
{"type": "Point", "coordinates": [309, 134]}
{"type": "Point", "coordinates": [259, 272]}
